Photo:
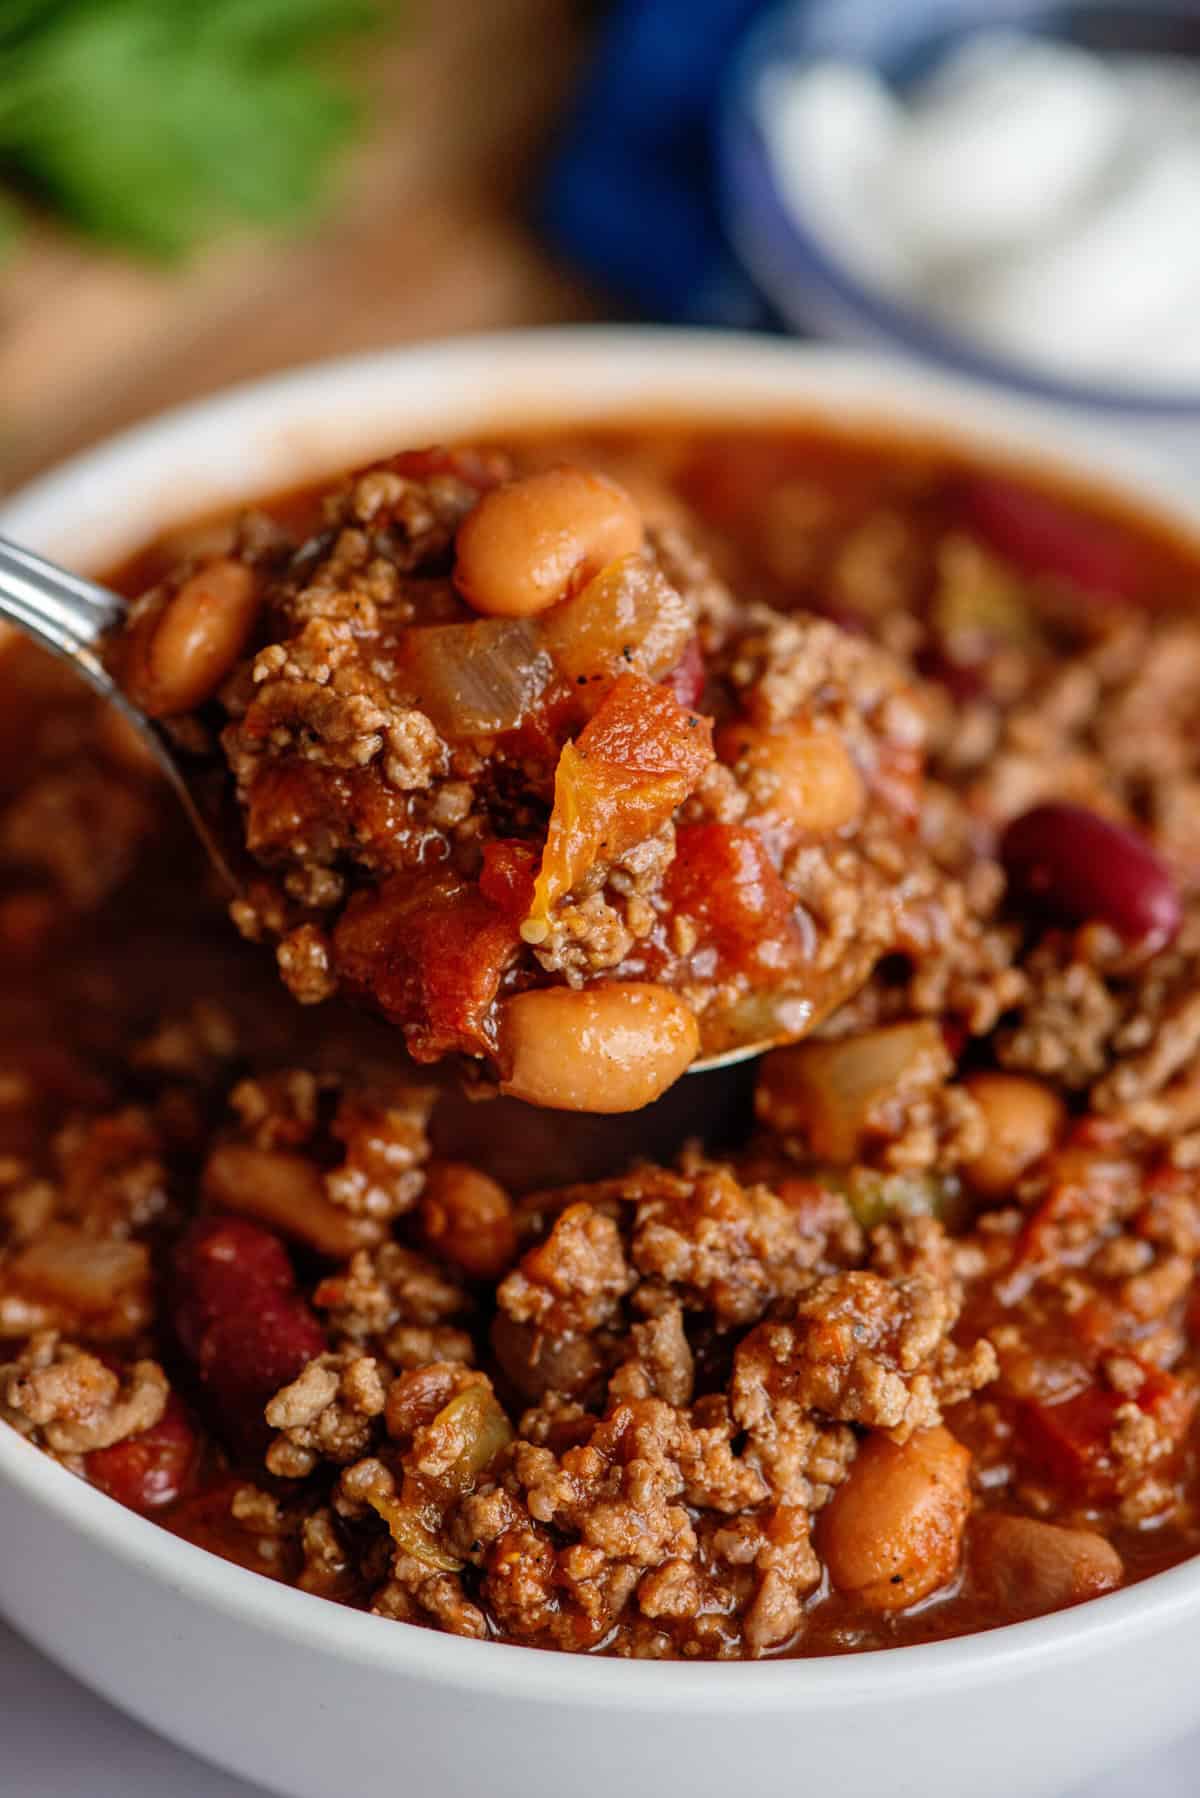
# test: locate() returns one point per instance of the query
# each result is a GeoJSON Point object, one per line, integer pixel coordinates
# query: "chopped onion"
{"type": "Point", "coordinates": [628, 620]}
{"type": "Point", "coordinates": [476, 1419]}
{"type": "Point", "coordinates": [409, 1532]}
{"type": "Point", "coordinates": [86, 1273]}
{"type": "Point", "coordinates": [827, 1092]}
{"type": "Point", "coordinates": [477, 680]}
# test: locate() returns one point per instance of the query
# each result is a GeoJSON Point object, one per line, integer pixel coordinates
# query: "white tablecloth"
{"type": "Point", "coordinates": [59, 1741]}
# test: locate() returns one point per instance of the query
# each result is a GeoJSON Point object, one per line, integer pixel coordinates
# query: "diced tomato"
{"type": "Point", "coordinates": [430, 957]}
{"type": "Point", "coordinates": [304, 800]}
{"type": "Point", "coordinates": [641, 729]}
{"type": "Point", "coordinates": [1087, 1183]}
{"type": "Point", "coordinates": [241, 1321]}
{"type": "Point", "coordinates": [508, 874]}
{"type": "Point", "coordinates": [686, 680]}
{"type": "Point", "coordinates": [1070, 1440]}
{"type": "Point", "coordinates": [1099, 1325]}
{"type": "Point", "coordinates": [153, 1468]}
{"type": "Point", "coordinates": [723, 879]}
{"type": "Point", "coordinates": [816, 1205]}
{"type": "Point", "coordinates": [619, 782]}
{"type": "Point", "coordinates": [1048, 536]}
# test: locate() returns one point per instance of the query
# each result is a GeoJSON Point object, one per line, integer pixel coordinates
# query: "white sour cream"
{"type": "Point", "coordinates": [1039, 200]}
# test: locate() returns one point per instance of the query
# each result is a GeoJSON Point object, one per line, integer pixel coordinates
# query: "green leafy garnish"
{"type": "Point", "coordinates": [154, 124]}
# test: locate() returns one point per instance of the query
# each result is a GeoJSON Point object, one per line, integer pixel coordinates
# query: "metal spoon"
{"type": "Point", "coordinates": [72, 616]}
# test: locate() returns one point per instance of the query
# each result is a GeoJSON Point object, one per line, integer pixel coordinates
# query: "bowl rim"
{"type": "Point", "coordinates": [581, 375]}
{"type": "Point", "coordinates": [781, 248]}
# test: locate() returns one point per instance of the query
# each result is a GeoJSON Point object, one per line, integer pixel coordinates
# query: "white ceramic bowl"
{"type": "Point", "coordinates": [321, 1702]}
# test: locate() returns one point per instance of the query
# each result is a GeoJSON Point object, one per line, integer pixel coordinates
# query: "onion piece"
{"type": "Point", "coordinates": [476, 680]}
{"type": "Point", "coordinates": [409, 1532]}
{"type": "Point", "coordinates": [89, 1274]}
{"type": "Point", "coordinates": [828, 1092]}
{"type": "Point", "coordinates": [628, 620]}
{"type": "Point", "coordinates": [475, 1422]}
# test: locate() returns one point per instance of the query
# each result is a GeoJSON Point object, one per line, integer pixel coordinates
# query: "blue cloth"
{"type": "Point", "coordinates": [630, 194]}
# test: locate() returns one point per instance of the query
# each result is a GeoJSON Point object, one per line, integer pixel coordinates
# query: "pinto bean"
{"type": "Point", "coordinates": [286, 1193]}
{"type": "Point", "coordinates": [188, 649]}
{"type": "Point", "coordinates": [612, 1047]}
{"type": "Point", "coordinates": [537, 1362]}
{"type": "Point", "coordinates": [528, 544]}
{"type": "Point", "coordinates": [797, 773]}
{"type": "Point", "coordinates": [1083, 866]}
{"type": "Point", "coordinates": [892, 1534]}
{"type": "Point", "coordinates": [1026, 1566]}
{"type": "Point", "coordinates": [468, 1219]}
{"type": "Point", "coordinates": [1023, 1119]}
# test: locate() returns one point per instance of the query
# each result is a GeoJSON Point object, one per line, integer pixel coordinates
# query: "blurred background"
{"type": "Point", "coordinates": [192, 194]}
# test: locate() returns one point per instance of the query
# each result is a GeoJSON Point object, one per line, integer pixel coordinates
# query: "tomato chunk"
{"type": "Point", "coordinates": [431, 958]}
{"type": "Point", "coordinates": [509, 871]}
{"type": "Point", "coordinates": [625, 774]}
{"type": "Point", "coordinates": [1070, 1440]}
{"type": "Point", "coordinates": [723, 879]}
{"type": "Point", "coordinates": [153, 1468]}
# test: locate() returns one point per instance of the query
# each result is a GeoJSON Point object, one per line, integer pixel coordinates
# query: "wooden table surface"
{"type": "Point", "coordinates": [425, 237]}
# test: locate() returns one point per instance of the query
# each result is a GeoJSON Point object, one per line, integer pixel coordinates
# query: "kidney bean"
{"type": "Point", "coordinates": [799, 775]}
{"type": "Point", "coordinates": [1044, 535]}
{"type": "Point", "coordinates": [197, 638]}
{"type": "Point", "coordinates": [1082, 866]}
{"type": "Point", "coordinates": [241, 1321]}
{"type": "Point", "coordinates": [467, 1219]}
{"type": "Point", "coordinates": [963, 681]}
{"type": "Point", "coordinates": [686, 679]}
{"type": "Point", "coordinates": [152, 1468]}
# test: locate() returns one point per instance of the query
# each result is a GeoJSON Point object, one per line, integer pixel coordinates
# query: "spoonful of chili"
{"type": "Point", "coordinates": [513, 770]}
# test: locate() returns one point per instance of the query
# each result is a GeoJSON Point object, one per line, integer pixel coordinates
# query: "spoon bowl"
{"type": "Point", "coordinates": [74, 617]}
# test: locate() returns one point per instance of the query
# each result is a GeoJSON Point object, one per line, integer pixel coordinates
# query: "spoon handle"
{"type": "Point", "coordinates": [71, 616]}
{"type": "Point", "coordinates": [64, 612]}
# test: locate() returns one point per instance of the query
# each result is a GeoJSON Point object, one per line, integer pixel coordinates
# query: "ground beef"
{"type": "Point", "coordinates": [71, 1402]}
